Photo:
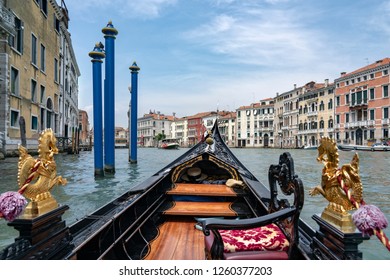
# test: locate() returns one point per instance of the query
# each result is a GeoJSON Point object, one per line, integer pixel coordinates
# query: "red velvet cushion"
{"type": "Point", "coordinates": [266, 238]}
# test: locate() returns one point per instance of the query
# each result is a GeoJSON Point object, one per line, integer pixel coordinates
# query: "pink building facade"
{"type": "Point", "coordinates": [362, 105]}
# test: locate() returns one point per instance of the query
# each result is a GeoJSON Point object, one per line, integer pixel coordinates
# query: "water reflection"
{"type": "Point", "coordinates": [84, 193]}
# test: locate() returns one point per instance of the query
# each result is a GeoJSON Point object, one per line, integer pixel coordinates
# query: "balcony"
{"type": "Point", "coordinates": [312, 114]}
{"type": "Point", "coordinates": [292, 112]}
{"type": "Point", "coordinates": [358, 103]}
{"type": "Point", "coordinates": [386, 121]}
{"type": "Point", "coordinates": [7, 20]}
{"type": "Point", "coordinates": [265, 129]}
{"type": "Point", "coordinates": [359, 124]}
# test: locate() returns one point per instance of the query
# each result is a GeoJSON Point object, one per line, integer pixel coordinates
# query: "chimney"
{"type": "Point", "coordinates": [343, 73]}
{"type": "Point", "coordinates": [295, 86]}
{"type": "Point", "coordinates": [326, 82]}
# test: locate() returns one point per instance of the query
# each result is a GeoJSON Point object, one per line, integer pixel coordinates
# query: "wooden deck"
{"type": "Point", "coordinates": [202, 190]}
{"type": "Point", "coordinates": [189, 208]}
{"type": "Point", "coordinates": [178, 240]}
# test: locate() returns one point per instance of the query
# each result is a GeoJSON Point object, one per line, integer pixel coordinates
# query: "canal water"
{"type": "Point", "coordinates": [84, 193]}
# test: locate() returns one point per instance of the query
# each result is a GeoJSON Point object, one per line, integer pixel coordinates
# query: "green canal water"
{"type": "Point", "coordinates": [84, 193]}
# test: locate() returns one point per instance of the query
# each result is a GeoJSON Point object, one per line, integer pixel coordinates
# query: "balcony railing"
{"type": "Point", "coordinates": [386, 121]}
{"type": "Point", "coordinates": [313, 113]}
{"type": "Point", "coordinates": [7, 19]}
{"type": "Point", "coordinates": [360, 124]}
{"type": "Point", "coordinates": [359, 102]}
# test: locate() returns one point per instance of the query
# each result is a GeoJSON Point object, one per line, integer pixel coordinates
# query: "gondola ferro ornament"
{"type": "Point", "coordinates": [36, 177]}
{"type": "Point", "coordinates": [343, 188]}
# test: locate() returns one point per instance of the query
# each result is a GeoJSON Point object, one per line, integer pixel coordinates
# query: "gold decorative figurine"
{"type": "Point", "coordinates": [36, 177]}
{"type": "Point", "coordinates": [339, 204]}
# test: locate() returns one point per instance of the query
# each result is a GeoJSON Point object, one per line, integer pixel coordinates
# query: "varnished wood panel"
{"type": "Point", "coordinates": [177, 240]}
{"type": "Point", "coordinates": [201, 209]}
{"type": "Point", "coordinates": [202, 189]}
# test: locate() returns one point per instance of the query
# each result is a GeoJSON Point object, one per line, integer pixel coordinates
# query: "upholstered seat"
{"type": "Point", "coordinates": [266, 242]}
{"type": "Point", "coordinates": [268, 237]}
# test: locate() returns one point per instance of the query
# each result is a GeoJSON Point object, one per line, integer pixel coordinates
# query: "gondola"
{"type": "Point", "coordinates": [204, 205]}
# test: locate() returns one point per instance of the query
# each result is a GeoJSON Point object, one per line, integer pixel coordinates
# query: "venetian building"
{"type": "Point", "coordinates": [255, 124]}
{"type": "Point", "coordinates": [362, 104]}
{"type": "Point", "coordinates": [30, 83]}
{"type": "Point", "coordinates": [69, 73]}
{"type": "Point", "coordinates": [150, 126]}
{"type": "Point", "coordinates": [286, 118]}
{"type": "Point", "coordinates": [179, 131]}
{"type": "Point", "coordinates": [316, 112]}
{"type": "Point", "coordinates": [227, 127]}
{"type": "Point", "coordinates": [84, 127]}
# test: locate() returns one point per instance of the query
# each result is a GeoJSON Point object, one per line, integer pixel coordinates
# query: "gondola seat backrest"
{"type": "Point", "coordinates": [272, 236]}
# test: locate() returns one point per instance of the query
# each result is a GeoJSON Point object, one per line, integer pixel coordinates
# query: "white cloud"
{"type": "Point", "coordinates": [258, 37]}
{"type": "Point", "coordinates": [129, 9]}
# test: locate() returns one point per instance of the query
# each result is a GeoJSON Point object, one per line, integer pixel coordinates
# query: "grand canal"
{"type": "Point", "coordinates": [84, 193]}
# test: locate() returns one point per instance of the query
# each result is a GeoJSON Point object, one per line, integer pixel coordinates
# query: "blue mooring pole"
{"type": "Point", "coordinates": [97, 55]}
{"type": "Point", "coordinates": [133, 114]}
{"type": "Point", "coordinates": [109, 99]}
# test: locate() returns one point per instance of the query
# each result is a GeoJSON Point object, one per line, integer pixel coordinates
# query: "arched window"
{"type": "Point", "coordinates": [330, 123]}
{"type": "Point", "coordinates": [322, 124]}
{"type": "Point", "coordinates": [330, 104]}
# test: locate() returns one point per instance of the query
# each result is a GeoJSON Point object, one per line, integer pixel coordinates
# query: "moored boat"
{"type": "Point", "coordinates": [373, 148]}
{"type": "Point", "coordinates": [193, 208]}
{"type": "Point", "coordinates": [310, 147]}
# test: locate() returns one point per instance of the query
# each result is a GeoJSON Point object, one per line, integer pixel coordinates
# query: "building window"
{"type": "Point", "coordinates": [33, 91]}
{"type": "Point", "coordinates": [346, 117]}
{"type": "Point", "coordinates": [385, 72]}
{"type": "Point", "coordinates": [16, 40]}
{"type": "Point", "coordinates": [33, 49]}
{"type": "Point", "coordinates": [372, 114]}
{"type": "Point", "coordinates": [347, 99]}
{"type": "Point", "coordinates": [386, 133]}
{"type": "Point", "coordinates": [330, 104]}
{"type": "Point", "coordinates": [330, 123]}
{"type": "Point", "coordinates": [43, 58]}
{"type": "Point", "coordinates": [386, 91]}
{"type": "Point", "coordinates": [44, 6]}
{"type": "Point", "coordinates": [15, 81]}
{"type": "Point", "coordinates": [55, 69]}
{"type": "Point", "coordinates": [371, 76]}
{"type": "Point", "coordinates": [42, 99]}
{"type": "Point", "coordinates": [322, 124]}
{"type": "Point", "coordinates": [372, 93]}
{"type": "Point", "coordinates": [56, 23]}
{"type": "Point", "coordinates": [337, 100]}
{"type": "Point", "coordinates": [386, 113]}
{"type": "Point", "coordinates": [14, 119]}
{"type": "Point", "coordinates": [372, 134]}
{"type": "Point", "coordinates": [338, 119]}
{"type": "Point", "coordinates": [34, 123]}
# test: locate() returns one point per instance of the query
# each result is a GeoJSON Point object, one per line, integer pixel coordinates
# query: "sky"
{"type": "Point", "coordinates": [203, 55]}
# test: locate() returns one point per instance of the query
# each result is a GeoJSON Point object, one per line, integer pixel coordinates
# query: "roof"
{"type": "Point", "coordinates": [374, 65]}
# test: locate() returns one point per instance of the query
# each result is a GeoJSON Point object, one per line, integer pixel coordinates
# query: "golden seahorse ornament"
{"type": "Point", "coordinates": [330, 186]}
{"type": "Point", "coordinates": [36, 177]}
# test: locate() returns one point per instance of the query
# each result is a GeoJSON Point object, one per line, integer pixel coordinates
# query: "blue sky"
{"type": "Point", "coordinates": [200, 55]}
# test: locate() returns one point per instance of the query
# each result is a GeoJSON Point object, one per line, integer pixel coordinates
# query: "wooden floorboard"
{"type": "Point", "coordinates": [189, 208]}
{"type": "Point", "coordinates": [202, 190]}
{"type": "Point", "coordinates": [178, 240]}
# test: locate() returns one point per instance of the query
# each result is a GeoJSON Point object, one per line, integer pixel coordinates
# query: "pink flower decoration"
{"type": "Point", "coordinates": [369, 218]}
{"type": "Point", "coordinates": [11, 205]}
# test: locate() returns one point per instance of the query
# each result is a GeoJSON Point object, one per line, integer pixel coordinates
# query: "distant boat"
{"type": "Point", "coordinates": [314, 147]}
{"type": "Point", "coordinates": [374, 148]}
{"type": "Point", "coordinates": [169, 146]}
